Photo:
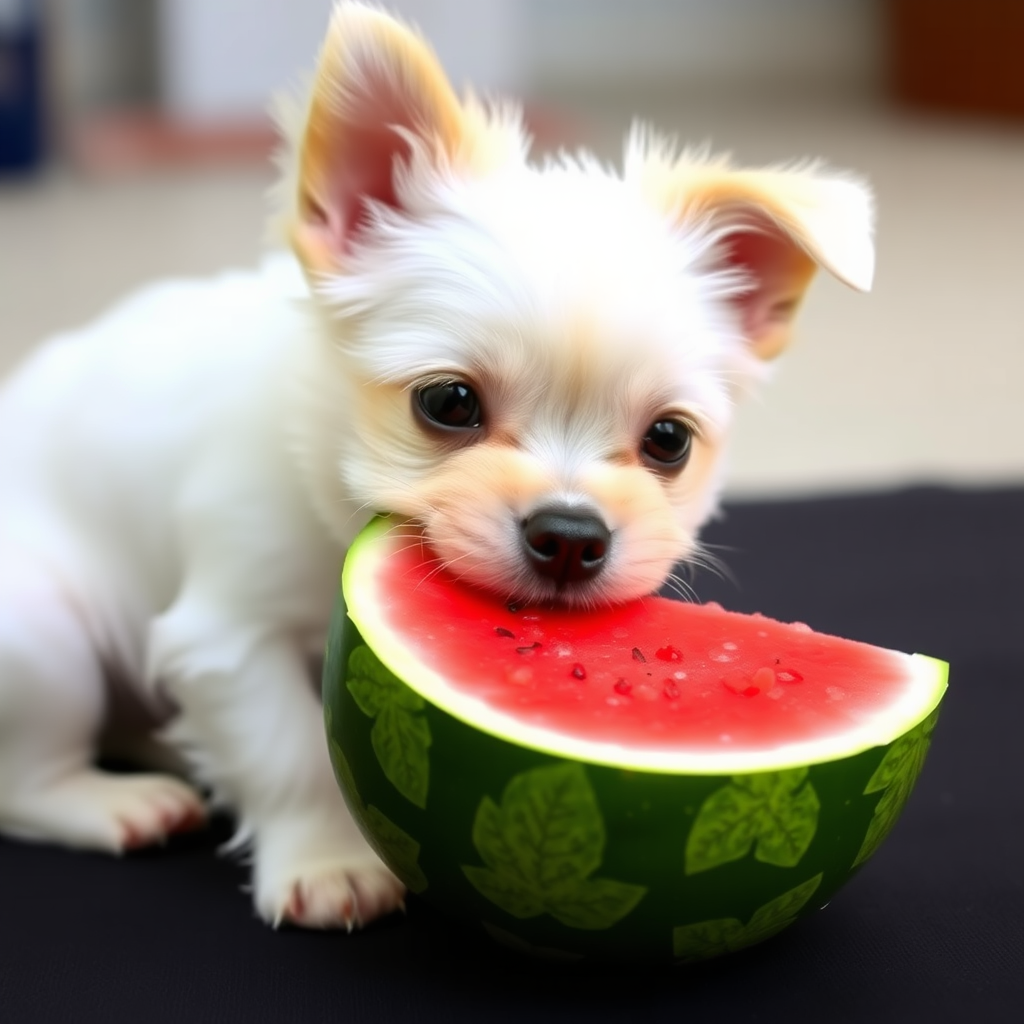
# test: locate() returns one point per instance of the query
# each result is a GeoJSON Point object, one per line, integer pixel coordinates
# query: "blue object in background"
{"type": "Point", "coordinates": [21, 99]}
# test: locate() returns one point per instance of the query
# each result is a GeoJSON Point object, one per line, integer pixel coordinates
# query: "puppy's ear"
{"type": "Point", "coordinates": [776, 226]}
{"type": "Point", "coordinates": [379, 90]}
{"type": "Point", "coordinates": [781, 226]}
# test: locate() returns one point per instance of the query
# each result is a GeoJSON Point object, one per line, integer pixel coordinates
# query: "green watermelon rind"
{"type": "Point", "coordinates": [927, 682]}
{"type": "Point", "coordinates": [556, 852]}
{"type": "Point", "coordinates": [597, 861]}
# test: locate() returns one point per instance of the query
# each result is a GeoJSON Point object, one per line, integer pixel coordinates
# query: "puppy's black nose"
{"type": "Point", "coordinates": [565, 545]}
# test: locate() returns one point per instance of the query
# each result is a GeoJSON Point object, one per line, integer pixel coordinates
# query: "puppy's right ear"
{"type": "Point", "coordinates": [379, 89]}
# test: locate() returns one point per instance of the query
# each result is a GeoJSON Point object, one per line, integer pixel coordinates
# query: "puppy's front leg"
{"type": "Point", "coordinates": [251, 725]}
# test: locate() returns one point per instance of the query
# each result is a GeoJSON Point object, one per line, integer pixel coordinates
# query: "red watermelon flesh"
{"type": "Point", "coordinates": [653, 673]}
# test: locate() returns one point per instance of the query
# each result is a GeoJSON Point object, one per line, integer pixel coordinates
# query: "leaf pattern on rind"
{"type": "Point", "coordinates": [775, 813]}
{"type": "Point", "coordinates": [555, 828]}
{"type": "Point", "coordinates": [594, 903]}
{"type": "Point", "coordinates": [541, 844]}
{"type": "Point", "coordinates": [393, 844]}
{"type": "Point", "coordinates": [513, 896]}
{"type": "Point", "coordinates": [363, 681]}
{"type": "Point", "coordinates": [491, 842]}
{"type": "Point", "coordinates": [400, 735]}
{"type": "Point", "coordinates": [792, 827]}
{"type": "Point", "coordinates": [724, 829]}
{"type": "Point", "coordinates": [401, 742]}
{"type": "Point", "coordinates": [774, 915]}
{"type": "Point", "coordinates": [705, 939]}
{"type": "Point", "coordinates": [343, 770]}
{"type": "Point", "coordinates": [402, 852]}
{"type": "Point", "coordinates": [374, 686]}
{"type": "Point", "coordinates": [895, 777]}
{"type": "Point", "coordinates": [701, 941]}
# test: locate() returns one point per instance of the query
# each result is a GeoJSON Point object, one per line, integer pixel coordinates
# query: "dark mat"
{"type": "Point", "coordinates": [931, 929]}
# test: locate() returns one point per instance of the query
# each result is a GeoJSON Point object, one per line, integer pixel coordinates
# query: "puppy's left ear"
{"type": "Point", "coordinates": [787, 224]}
{"type": "Point", "coordinates": [776, 226]}
{"type": "Point", "coordinates": [379, 92]}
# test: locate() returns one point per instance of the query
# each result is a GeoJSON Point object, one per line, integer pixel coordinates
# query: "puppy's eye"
{"type": "Point", "coordinates": [666, 445]}
{"type": "Point", "coordinates": [453, 405]}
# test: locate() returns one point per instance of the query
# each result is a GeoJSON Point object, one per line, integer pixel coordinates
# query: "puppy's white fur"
{"type": "Point", "coordinates": [179, 480]}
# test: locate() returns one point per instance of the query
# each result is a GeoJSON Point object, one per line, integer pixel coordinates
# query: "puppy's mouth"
{"type": "Point", "coordinates": [563, 554]}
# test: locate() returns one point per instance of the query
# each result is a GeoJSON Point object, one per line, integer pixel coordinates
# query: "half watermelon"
{"type": "Point", "coordinates": [653, 781]}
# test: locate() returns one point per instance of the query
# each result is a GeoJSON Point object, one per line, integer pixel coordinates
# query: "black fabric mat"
{"type": "Point", "coordinates": [932, 929]}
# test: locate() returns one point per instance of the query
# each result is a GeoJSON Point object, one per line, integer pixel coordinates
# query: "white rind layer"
{"type": "Point", "coordinates": [926, 685]}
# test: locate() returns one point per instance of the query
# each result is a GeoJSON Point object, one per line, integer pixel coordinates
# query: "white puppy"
{"type": "Point", "coordinates": [537, 364]}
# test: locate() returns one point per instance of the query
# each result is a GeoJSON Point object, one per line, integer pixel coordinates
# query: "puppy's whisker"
{"type": "Point", "coordinates": [358, 511]}
{"type": "Point", "coordinates": [675, 584]}
{"type": "Point", "coordinates": [444, 565]}
{"type": "Point", "coordinates": [702, 558]}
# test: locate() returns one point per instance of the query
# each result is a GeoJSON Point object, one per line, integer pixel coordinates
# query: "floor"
{"type": "Point", "coordinates": [920, 381]}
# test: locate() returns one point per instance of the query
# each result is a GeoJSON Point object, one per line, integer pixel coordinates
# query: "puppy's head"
{"type": "Point", "coordinates": [536, 364]}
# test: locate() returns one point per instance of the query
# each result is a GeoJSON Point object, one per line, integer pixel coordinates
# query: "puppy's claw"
{"type": "Point", "coordinates": [116, 813]}
{"type": "Point", "coordinates": [296, 909]}
{"type": "Point", "coordinates": [337, 897]}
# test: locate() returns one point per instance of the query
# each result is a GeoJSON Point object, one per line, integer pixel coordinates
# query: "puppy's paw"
{"type": "Point", "coordinates": [332, 894]}
{"type": "Point", "coordinates": [101, 811]}
{"type": "Point", "coordinates": [151, 808]}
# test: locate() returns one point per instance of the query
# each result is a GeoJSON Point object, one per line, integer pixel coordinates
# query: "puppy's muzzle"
{"type": "Point", "coordinates": [565, 545]}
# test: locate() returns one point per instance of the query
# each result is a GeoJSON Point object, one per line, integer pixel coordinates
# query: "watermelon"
{"type": "Point", "coordinates": [655, 781]}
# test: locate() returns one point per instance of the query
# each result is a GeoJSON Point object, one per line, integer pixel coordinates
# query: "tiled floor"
{"type": "Point", "coordinates": [923, 380]}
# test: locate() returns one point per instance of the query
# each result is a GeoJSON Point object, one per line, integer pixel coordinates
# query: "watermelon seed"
{"type": "Point", "coordinates": [788, 675]}
{"type": "Point", "coordinates": [670, 690]}
{"type": "Point", "coordinates": [512, 607]}
{"type": "Point", "coordinates": [638, 655]}
{"type": "Point", "coordinates": [528, 648]}
{"type": "Point", "coordinates": [502, 631]}
{"type": "Point", "coordinates": [764, 678]}
{"type": "Point", "coordinates": [578, 671]}
{"type": "Point", "coordinates": [669, 654]}
{"type": "Point", "coordinates": [623, 686]}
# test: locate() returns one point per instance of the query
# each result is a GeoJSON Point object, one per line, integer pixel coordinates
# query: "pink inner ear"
{"type": "Point", "coordinates": [364, 173]}
{"type": "Point", "coordinates": [777, 269]}
{"type": "Point", "coordinates": [353, 148]}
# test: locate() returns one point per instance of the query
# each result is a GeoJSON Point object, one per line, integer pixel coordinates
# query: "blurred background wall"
{"type": "Point", "coordinates": [203, 59]}
{"type": "Point", "coordinates": [134, 144]}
